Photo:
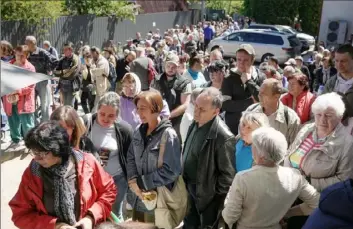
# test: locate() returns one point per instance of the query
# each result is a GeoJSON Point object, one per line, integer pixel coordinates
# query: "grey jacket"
{"type": "Point", "coordinates": [142, 157]}
{"type": "Point", "coordinates": [330, 163]}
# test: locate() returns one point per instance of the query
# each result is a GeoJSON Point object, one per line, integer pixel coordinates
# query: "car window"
{"type": "Point", "coordinates": [271, 39]}
{"type": "Point", "coordinates": [236, 37]}
{"type": "Point", "coordinates": [253, 38]}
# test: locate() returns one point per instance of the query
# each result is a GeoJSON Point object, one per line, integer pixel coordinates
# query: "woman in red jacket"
{"type": "Point", "coordinates": [62, 188]}
{"type": "Point", "coordinates": [299, 98]}
{"type": "Point", "coordinates": [20, 105]}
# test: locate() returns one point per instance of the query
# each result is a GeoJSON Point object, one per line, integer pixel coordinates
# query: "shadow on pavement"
{"type": "Point", "coordinates": [9, 155]}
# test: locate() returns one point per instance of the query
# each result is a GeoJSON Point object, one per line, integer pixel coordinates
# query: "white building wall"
{"type": "Point", "coordinates": [336, 10]}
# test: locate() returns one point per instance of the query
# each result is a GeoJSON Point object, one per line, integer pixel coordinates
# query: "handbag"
{"type": "Point", "coordinates": [171, 205]}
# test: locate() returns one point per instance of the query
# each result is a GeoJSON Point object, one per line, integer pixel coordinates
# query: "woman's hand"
{"type": "Point", "coordinates": [135, 188]}
{"type": "Point", "coordinates": [85, 223]}
{"type": "Point", "coordinates": [63, 226]}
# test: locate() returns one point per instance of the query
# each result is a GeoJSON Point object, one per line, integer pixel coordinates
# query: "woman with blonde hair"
{"type": "Point", "coordinates": [73, 124]}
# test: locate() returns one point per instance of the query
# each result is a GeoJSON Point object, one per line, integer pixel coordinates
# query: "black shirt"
{"type": "Point", "coordinates": [193, 147]}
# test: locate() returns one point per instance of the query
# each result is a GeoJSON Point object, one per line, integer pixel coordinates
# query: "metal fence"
{"type": "Point", "coordinates": [94, 30]}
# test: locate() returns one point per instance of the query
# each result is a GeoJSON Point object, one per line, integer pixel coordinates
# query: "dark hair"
{"type": "Point", "coordinates": [347, 48]}
{"type": "Point", "coordinates": [301, 78]}
{"type": "Point", "coordinates": [69, 45]}
{"type": "Point", "coordinates": [153, 98]}
{"type": "Point", "coordinates": [69, 116]}
{"type": "Point", "coordinates": [274, 59]}
{"type": "Point", "coordinates": [49, 136]}
{"type": "Point", "coordinates": [22, 48]}
{"type": "Point", "coordinates": [126, 225]}
{"type": "Point", "coordinates": [195, 59]}
{"type": "Point", "coordinates": [95, 49]}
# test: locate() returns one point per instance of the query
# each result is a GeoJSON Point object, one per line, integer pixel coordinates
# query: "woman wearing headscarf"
{"type": "Point", "coordinates": [62, 188]}
{"type": "Point", "coordinates": [131, 88]}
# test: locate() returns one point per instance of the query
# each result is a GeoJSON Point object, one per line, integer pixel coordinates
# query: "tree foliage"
{"type": "Point", "coordinates": [230, 6]}
{"type": "Point", "coordinates": [284, 12]}
{"type": "Point", "coordinates": [120, 9]}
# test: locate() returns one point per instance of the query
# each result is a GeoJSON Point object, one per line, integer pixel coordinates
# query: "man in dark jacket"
{"type": "Point", "coordinates": [123, 67]}
{"type": "Point", "coordinates": [68, 71]}
{"type": "Point", "coordinates": [323, 74]}
{"type": "Point", "coordinates": [241, 88]}
{"type": "Point", "coordinates": [175, 89]}
{"type": "Point", "coordinates": [208, 160]}
{"type": "Point", "coordinates": [44, 63]}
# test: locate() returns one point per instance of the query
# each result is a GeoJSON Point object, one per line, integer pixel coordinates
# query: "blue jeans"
{"type": "Point", "coordinates": [122, 186]}
{"type": "Point", "coordinates": [44, 93]}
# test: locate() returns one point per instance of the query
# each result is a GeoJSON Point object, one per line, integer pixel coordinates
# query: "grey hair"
{"type": "Point", "coordinates": [257, 118]}
{"type": "Point", "coordinates": [32, 39]}
{"type": "Point", "coordinates": [110, 99]}
{"type": "Point", "coordinates": [215, 94]}
{"type": "Point", "coordinates": [46, 43]}
{"type": "Point", "coordinates": [329, 100]}
{"type": "Point", "coordinates": [270, 144]}
{"type": "Point", "coordinates": [289, 69]}
{"type": "Point", "coordinates": [196, 92]}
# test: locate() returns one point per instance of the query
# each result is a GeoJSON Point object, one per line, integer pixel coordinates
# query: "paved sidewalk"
{"type": "Point", "coordinates": [11, 174]}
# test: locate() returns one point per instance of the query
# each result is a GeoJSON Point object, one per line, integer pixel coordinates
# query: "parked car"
{"type": "Point", "coordinates": [307, 40]}
{"type": "Point", "coordinates": [265, 42]}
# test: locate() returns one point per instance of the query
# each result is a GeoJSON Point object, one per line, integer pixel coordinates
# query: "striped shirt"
{"type": "Point", "coordinates": [305, 147]}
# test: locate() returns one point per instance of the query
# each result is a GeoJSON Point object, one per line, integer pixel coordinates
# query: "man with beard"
{"type": "Point", "coordinates": [175, 89]}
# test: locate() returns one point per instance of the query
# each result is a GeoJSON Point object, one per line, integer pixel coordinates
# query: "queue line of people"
{"type": "Point", "coordinates": [265, 128]}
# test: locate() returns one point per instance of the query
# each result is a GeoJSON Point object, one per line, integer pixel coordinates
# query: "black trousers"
{"type": "Point", "coordinates": [208, 218]}
{"type": "Point", "coordinates": [206, 44]}
{"type": "Point", "coordinates": [87, 101]}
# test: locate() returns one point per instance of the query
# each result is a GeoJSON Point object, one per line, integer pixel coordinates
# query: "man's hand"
{"type": "Point", "coordinates": [85, 223]}
{"type": "Point", "coordinates": [245, 77]}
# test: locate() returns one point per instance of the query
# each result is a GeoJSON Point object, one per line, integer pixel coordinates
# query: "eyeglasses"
{"type": "Point", "coordinates": [38, 154]}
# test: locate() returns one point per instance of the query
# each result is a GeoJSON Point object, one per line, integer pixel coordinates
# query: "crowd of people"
{"type": "Point", "coordinates": [183, 136]}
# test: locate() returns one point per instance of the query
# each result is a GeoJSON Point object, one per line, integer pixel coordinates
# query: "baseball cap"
{"type": "Point", "coordinates": [247, 48]}
{"type": "Point", "coordinates": [172, 58]}
{"type": "Point", "coordinates": [291, 61]}
{"type": "Point", "coordinates": [299, 58]}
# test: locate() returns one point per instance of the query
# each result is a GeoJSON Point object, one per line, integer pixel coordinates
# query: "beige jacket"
{"type": "Point", "coordinates": [329, 164]}
{"type": "Point", "coordinates": [100, 75]}
{"type": "Point", "coordinates": [261, 196]}
{"type": "Point", "coordinates": [290, 129]}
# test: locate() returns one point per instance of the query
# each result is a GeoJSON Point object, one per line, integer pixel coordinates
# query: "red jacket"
{"type": "Point", "coordinates": [96, 187]}
{"type": "Point", "coordinates": [303, 107]}
{"type": "Point", "coordinates": [26, 102]}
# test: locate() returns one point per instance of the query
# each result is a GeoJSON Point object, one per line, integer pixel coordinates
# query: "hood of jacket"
{"type": "Point", "coordinates": [164, 124]}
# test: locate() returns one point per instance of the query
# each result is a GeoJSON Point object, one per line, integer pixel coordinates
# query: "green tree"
{"type": "Point", "coordinates": [231, 6]}
{"type": "Point", "coordinates": [310, 14]}
{"type": "Point", "coordinates": [121, 9]}
{"type": "Point", "coordinates": [40, 14]}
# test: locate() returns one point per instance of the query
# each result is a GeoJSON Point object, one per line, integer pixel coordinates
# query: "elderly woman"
{"type": "Point", "coordinates": [148, 166]}
{"type": "Point", "coordinates": [299, 97]}
{"type": "Point", "coordinates": [249, 122]}
{"type": "Point", "coordinates": [322, 151]}
{"type": "Point", "coordinates": [19, 106]}
{"type": "Point", "coordinates": [68, 119]}
{"type": "Point", "coordinates": [62, 187]}
{"type": "Point", "coordinates": [111, 137]}
{"type": "Point", "coordinates": [254, 204]}
{"type": "Point", "coordinates": [131, 88]}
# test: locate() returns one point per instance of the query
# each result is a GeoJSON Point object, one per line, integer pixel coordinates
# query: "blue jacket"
{"type": "Point", "coordinates": [208, 33]}
{"type": "Point", "coordinates": [335, 209]}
